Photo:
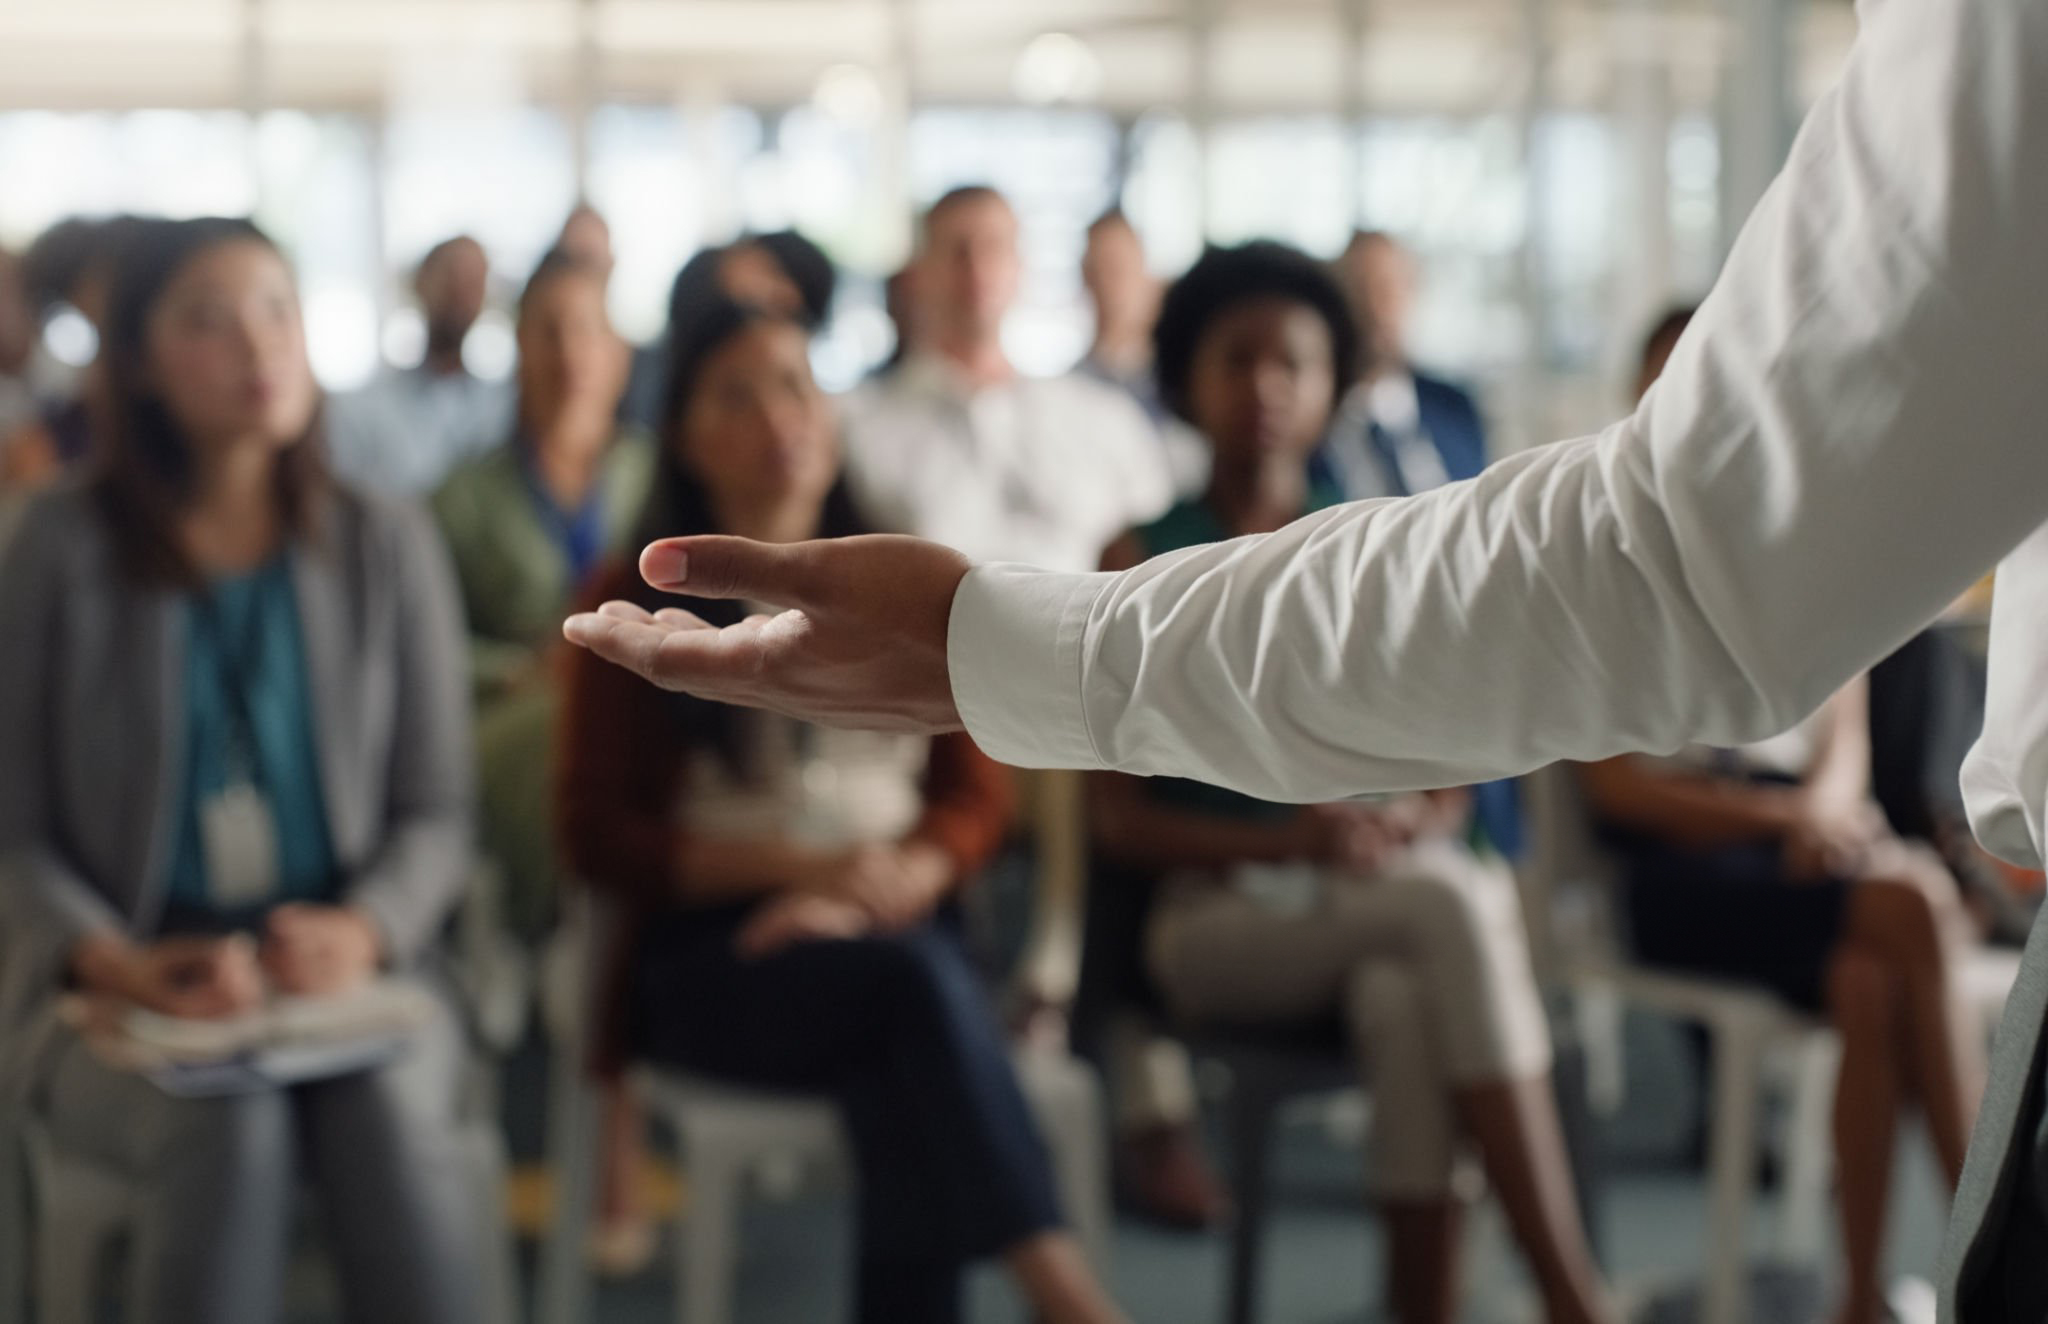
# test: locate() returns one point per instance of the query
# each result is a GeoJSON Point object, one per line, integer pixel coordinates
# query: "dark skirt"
{"type": "Point", "coordinates": [1730, 912]}
{"type": "Point", "coordinates": [897, 1030]}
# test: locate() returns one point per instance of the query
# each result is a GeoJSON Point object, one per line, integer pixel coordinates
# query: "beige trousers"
{"type": "Point", "coordinates": [1428, 965]}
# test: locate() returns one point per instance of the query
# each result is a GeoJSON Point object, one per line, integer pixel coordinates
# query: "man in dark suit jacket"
{"type": "Point", "coordinates": [1401, 431]}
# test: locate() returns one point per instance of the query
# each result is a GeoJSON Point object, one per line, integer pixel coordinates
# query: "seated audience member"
{"type": "Point", "coordinates": [1124, 295]}
{"type": "Point", "coordinates": [17, 347]}
{"type": "Point", "coordinates": [1399, 430]}
{"type": "Point", "coordinates": [899, 304]}
{"type": "Point", "coordinates": [409, 427]}
{"type": "Point", "coordinates": [586, 238]}
{"type": "Point", "coordinates": [782, 272]}
{"type": "Point", "coordinates": [235, 761]}
{"type": "Point", "coordinates": [1771, 865]}
{"type": "Point", "coordinates": [70, 264]}
{"type": "Point", "coordinates": [956, 446]}
{"type": "Point", "coordinates": [527, 524]}
{"type": "Point", "coordinates": [18, 473]}
{"type": "Point", "coordinates": [1381, 918]}
{"type": "Point", "coordinates": [788, 887]}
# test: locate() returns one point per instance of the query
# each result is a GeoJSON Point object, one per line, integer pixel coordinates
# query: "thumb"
{"type": "Point", "coordinates": [721, 567]}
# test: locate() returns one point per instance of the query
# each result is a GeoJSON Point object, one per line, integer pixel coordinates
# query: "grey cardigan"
{"type": "Point", "coordinates": [91, 708]}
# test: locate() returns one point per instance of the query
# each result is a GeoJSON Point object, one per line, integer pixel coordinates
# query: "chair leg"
{"type": "Point", "coordinates": [1067, 1100]}
{"type": "Point", "coordinates": [1738, 1082]}
{"type": "Point", "coordinates": [564, 1294]}
{"type": "Point", "coordinates": [500, 1264]}
{"type": "Point", "coordinates": [1810, 1156]}
{"type": "Point", "coordinates": [706, 1241]}
{"type": "Point", "coordinates": [1250, 1112]}
{"type": "Point", "coordinates": [77, 1212]}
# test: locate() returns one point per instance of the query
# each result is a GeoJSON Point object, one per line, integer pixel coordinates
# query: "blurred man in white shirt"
{"type": "Point", "coordinates": [959, 447]}
{"type": "Point", "coordinates": [404, 431]}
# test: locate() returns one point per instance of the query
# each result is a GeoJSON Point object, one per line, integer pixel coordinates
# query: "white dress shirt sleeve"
{"type": "Point", "coordinates": [2005, 779]}
{"type": "Point", "coordinates": [1850, 433]}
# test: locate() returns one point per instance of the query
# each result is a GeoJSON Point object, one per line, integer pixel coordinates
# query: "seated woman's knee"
{"type": "Point", "coordinates": [1454, 908]}
{"type": "Point", "coordinates": [1912, 914]}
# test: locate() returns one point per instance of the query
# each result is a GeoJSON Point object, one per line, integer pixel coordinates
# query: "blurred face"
{"type": "Point", "coordinates": [17, 324]}
{"type": "Point", "coordinates": [587, 237]}
{"type": "Point", "coordinates": [1125, 295]}
{"type": "Point", "coordinates": [758, 431]}
{"type": "Point", "coordinates": [569, 356]}
{"type": "Point", "coordinates": [1654, 363]}
{"type": "Point", "coordinates": [224, 349]}
{"type": "Point", "coordinates": [1379, 277]}
{"type": "Point", "coordinates": [1263, 381]}
{"type": "Point", "coordinates": [749, 274]}
{"type": "Point", "coordinates": [452, 289]}
{"type": "Point", "coordinates": [968, 273]}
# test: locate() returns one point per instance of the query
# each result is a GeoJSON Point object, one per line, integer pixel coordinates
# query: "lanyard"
{"type": "Point", "coordinates": [238, 661]}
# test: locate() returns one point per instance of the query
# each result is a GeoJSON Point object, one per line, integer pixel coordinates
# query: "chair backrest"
{"type": "Point", "coordinates": [1567, 879]}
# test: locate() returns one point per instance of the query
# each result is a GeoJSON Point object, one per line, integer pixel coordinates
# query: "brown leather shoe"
{"type": "Point", "coordinates": [1163, 1174]}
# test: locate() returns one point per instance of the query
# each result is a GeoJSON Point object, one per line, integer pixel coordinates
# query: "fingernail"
{"type": "Point", "coordinates": [578, 627]}
{"type": "Point", "coordinates": [664, 565]}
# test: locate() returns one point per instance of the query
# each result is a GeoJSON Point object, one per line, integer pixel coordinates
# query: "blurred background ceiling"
{"type": "Point", "coordinates": [1126, 56]}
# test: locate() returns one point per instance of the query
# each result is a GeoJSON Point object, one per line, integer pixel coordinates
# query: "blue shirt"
{"type": "Point", "coordinates": [580, 534]}
{"type": "Point", "coordinates": [244, 654]}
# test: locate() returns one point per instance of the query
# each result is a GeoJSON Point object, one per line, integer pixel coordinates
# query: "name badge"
{"type": "Point", "coordinates": [239, 834]}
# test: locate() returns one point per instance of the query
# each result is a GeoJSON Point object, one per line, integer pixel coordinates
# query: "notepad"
{"type": "Point", "coordinates": [287, 1041]}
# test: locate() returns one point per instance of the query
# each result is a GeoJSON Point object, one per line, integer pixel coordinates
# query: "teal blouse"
{"type": "Point", "coordinates": [249, 641]}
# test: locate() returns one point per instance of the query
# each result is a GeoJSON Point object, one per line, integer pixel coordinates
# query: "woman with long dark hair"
{"type": "Point", "coordinates": [789, 887]}
{"type": "Point", "coordinates": [234, 757]}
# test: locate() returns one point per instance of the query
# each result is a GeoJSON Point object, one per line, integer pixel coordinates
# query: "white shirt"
{"type": "Point", "coordinates": [407, 429]}
{"type": "Point", "coordinates": [1853, 430]}
{"type": "Point", "coordinates": [1046, 470]}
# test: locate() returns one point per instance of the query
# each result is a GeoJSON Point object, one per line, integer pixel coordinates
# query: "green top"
{"type": "Point", "coordinates": [515, 571]}
{"type": "Point", "coordinates": [245, 672]}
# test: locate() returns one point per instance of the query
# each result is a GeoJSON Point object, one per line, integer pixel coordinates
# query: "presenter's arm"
{"type": "Point", "coordinates": [1850, 433]}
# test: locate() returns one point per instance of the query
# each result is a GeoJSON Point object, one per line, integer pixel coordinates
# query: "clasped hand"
{"type": "Point", "coordinates": [305, 951]}
{"type": "Point", "coordinates": [850, 894]}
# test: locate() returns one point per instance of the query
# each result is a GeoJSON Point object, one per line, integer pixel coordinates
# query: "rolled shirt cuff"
{"type": "Point", "coordinates": [1014, 647]}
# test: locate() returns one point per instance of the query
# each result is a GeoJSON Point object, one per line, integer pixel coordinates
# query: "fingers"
{"type": "Point", "coordinates": [718, 567]}
{"type": "Point", "coordinates": [797, 920]}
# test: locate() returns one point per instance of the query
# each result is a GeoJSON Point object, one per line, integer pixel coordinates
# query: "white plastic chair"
{"type": "Point", "coordinates": [728, 1133]}
{"type": "Point", "coordinates": [1568, 882]}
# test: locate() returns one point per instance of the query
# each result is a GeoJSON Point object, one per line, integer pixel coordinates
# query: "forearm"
{"type": "Point", "coordinates": [712, 871]}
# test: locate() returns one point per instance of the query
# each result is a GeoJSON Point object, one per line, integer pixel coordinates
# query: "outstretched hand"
{"type": "Point", "coordinates": [858, 637]}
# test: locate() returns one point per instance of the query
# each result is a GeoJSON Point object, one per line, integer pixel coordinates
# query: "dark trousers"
{"type": "Point", "coordinates": [897, 1031]}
